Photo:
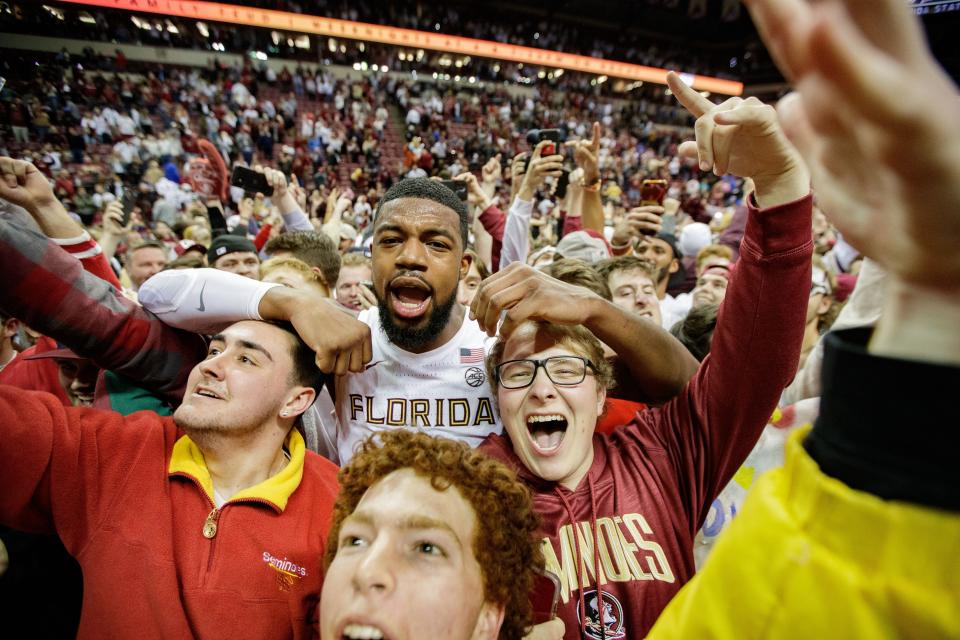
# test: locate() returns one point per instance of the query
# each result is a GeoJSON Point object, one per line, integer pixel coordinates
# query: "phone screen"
{"type": "Point", "coordinates": [652, 192]}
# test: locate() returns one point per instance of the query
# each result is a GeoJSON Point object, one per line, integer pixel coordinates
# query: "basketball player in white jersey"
{"type": "Point", "coordinates": [416, 361]}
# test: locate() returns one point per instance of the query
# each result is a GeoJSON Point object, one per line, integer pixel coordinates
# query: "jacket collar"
{"type": "Point", "coordinates": [187, 460]}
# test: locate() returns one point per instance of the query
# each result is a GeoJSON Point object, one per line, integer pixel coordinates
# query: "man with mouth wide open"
{"type": "Point", "coordinates": [423, 369]}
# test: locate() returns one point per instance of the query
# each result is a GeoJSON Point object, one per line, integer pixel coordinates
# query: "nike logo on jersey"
{"type": "Point", "coordinates": [202, 308]}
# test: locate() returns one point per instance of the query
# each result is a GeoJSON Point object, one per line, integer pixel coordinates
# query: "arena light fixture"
{"type": "Point", "coordinates": [319, 25]}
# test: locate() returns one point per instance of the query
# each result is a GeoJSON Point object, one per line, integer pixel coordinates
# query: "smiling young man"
{"type": "Point", "coordinates": [621, 510]}
{"type": "Point", "coordinates": [426, 371]}
{"type": "Point", "coordinates": [425, 356]}
{"type": "Point", "coordinates": [633, 285]}
{"type": "Point", "coordinates": [411, 557]}
{"type": "Point", "coordinates": [205, 524]}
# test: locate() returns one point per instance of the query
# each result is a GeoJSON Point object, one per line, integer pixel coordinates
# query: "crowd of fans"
{"type": "Point", "coordinates": [465, 20]}
{"type": "Point", "coordinates": [267, 273]}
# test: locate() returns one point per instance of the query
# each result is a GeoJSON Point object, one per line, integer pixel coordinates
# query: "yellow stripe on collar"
{"type": "Point", "coordinates": [187, 459]}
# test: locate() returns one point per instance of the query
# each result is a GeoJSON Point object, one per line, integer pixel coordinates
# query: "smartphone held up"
{"type": "Point", "coordinates": [250, 181]}
{"type": "Point", "coordinates": [652, 192]}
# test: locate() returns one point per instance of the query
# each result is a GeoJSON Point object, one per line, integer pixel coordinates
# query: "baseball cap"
{"type": "Point", "coordinates": [60, 353]}
{"type": "Point", "coordinates": [229, 243]}
{"type": "Point", "coordinates": [671, 240]}
{"type": "Point", "coordinates": [583, 246]}
{"type": "Point", "coordinates": [188, 245]}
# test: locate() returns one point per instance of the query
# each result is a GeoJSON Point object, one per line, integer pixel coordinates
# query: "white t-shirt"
{"type": "Point", "coordinates": [673, 310]}
{"type": "Point", "coordinates": [443, 392]}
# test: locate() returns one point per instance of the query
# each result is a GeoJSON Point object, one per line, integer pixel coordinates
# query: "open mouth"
{"type": "Point", "coordinates": [84, 399]}
{"type": "Point", "coordinates": [410, 297]}
{"type": "Point", "coordinates": [362, 632]}
{"type": "Point", "coordinates": [203, 392]}
{"type": "Point", "coordinates": [547, 432]}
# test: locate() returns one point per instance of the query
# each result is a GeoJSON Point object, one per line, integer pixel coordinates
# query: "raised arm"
{"type": "Point", "coordinates": [23, 185]}
{"type": "Point", "coordinates": [50, 291]}
{"type": "Point", "coordinates": [294, 219]}
{"type": "Point", "coordinates": [717, 419]}
{"type": "Point", "coordinates": [206, 300]}
{"type": "Point", "coordinates": [657, 363]}
{"type": "Point", "coordinates": [587, 203]}
{"type": "Point", "coordinates": [516, 234]}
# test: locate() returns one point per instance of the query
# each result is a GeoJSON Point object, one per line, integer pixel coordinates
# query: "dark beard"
{"type": "Point", "coordinates": [415, 338]}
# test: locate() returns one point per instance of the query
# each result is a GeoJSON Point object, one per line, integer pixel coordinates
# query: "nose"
{"type": "Point", "coordinates": [375, 574]}
{"type": "Point", "coordinates": [542, 388]}
{"type": "Point", "coordinates": [212, 367]}
{"type": "Point", "coordinates": [412, 255]}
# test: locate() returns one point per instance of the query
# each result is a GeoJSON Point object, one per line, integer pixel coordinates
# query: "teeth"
{"type": "Point", "coordinates": [362, 632]}
{"type": "Point", "coordinates": [550, 418]}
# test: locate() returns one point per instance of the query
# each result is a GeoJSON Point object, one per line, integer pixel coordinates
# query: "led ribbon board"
{"type": "Point", "coordinates": [332, 27]}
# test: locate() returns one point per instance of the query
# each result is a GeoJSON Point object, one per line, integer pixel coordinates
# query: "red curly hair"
{"type": "Point", "coordinates": [506, 545]}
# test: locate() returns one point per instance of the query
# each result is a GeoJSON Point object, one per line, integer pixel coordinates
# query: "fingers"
{"type": "Point", "coordinates": [645, 220]}
{"type": "Point", "coordinates": [595, 140]}
{"type": "Point", "coordinates": [691, 100]}
{"type": "Point", "coordinates": [783, 26]}
{"type": "Point", "coordinates": [797, 127]}
{"type": "Point", "coordinates": [356, 360]}
{"type": "Point", "coordinates": [479, 308]}
{"type": "Point", "coordinates": [889, 26]}
{"type": "Point", "coordinates": [538, 150]}
{"type": "Point", "coordinates": [870, 84]}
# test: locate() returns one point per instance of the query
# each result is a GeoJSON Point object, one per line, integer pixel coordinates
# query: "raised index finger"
{"type": "Point", "coordinates": [595, 141]}
{"type": "Point", "coordinates": [691, 100]}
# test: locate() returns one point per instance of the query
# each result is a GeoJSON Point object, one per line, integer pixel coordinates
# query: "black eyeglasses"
{"type": "Point", "coordinates": [562, 370]}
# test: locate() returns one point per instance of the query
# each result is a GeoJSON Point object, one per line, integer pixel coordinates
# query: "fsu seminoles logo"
{"type": "Point", "coordinates": [612, 626]}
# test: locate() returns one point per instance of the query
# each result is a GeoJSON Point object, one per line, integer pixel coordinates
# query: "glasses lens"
{"type": "Point", "coordinates": [565, 370]}
{"type": "Point", "coordinates": [517, 374]}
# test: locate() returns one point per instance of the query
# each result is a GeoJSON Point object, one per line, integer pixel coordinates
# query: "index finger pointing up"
{"type": "Point", "coordinates": [692, 101]}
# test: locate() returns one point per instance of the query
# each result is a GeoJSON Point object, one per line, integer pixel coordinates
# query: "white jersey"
{"type": "Point", "coordinates": [443, 392]}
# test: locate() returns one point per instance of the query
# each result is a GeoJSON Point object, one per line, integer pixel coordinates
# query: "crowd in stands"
{"type": "Point", "coordinates": [231, 281]}
{"type": "Point", "coordinates": [465, 20]}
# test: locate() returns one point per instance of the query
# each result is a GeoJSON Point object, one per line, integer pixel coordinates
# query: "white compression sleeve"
{"type": "Point", "coordinates": [202, 300]}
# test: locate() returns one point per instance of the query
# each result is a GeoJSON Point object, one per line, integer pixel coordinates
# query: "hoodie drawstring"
{"type": "Point", "coordinates": [579, 562]}
{"type": "Point", "coordinates": [596, 555]}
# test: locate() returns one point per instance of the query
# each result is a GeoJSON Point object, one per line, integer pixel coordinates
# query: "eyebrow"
{"type": "Point", "coordinates": [413, 522]}
{"type": "Point", "coordinates": [434, 231]}
{"type": "Point", "coordinates": [246, 344]}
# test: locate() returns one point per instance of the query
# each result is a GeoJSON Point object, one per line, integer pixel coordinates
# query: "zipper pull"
{"type": "Point", "coordinates": [210, 524]}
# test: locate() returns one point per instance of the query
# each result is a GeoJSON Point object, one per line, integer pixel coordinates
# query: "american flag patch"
{"type": "Point", "coordinates": [471, 356]}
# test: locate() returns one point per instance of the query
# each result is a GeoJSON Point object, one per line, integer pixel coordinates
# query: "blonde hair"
{"type": "Point", "coordinates": [713, 250]}
{"type": "Point", "coordinates": [288, 263]}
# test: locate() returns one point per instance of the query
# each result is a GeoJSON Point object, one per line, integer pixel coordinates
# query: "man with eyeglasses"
{"type": "Point", "coordinates": [621, 510]}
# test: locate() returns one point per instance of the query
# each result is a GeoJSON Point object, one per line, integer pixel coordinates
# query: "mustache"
{"type": "Point", "coordinates": [413, 275]}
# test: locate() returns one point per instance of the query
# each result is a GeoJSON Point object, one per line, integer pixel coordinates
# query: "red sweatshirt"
{"type": "Point", "coordinates": [653, 480]}
{"type": "Point", "coordinates": [130, 498]}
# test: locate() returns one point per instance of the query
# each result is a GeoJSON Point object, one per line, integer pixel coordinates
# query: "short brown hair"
{"type": "Point", "coordinates": [574, 336]}
{"type": "Point", "coordinates": [505, 544]}
{"type": "Point", "coordinates": [288, 263]}
{"type": "Point", "coordinates": [314, 248]}
{"type": "Point", "coordinates": [481, 265]}
{"type": "Point", "coordinates": [580, 273]}
{"type": "Point", "coordinates": [355, 259]}
{"type": "Point", "coordinates": [607, 268]}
